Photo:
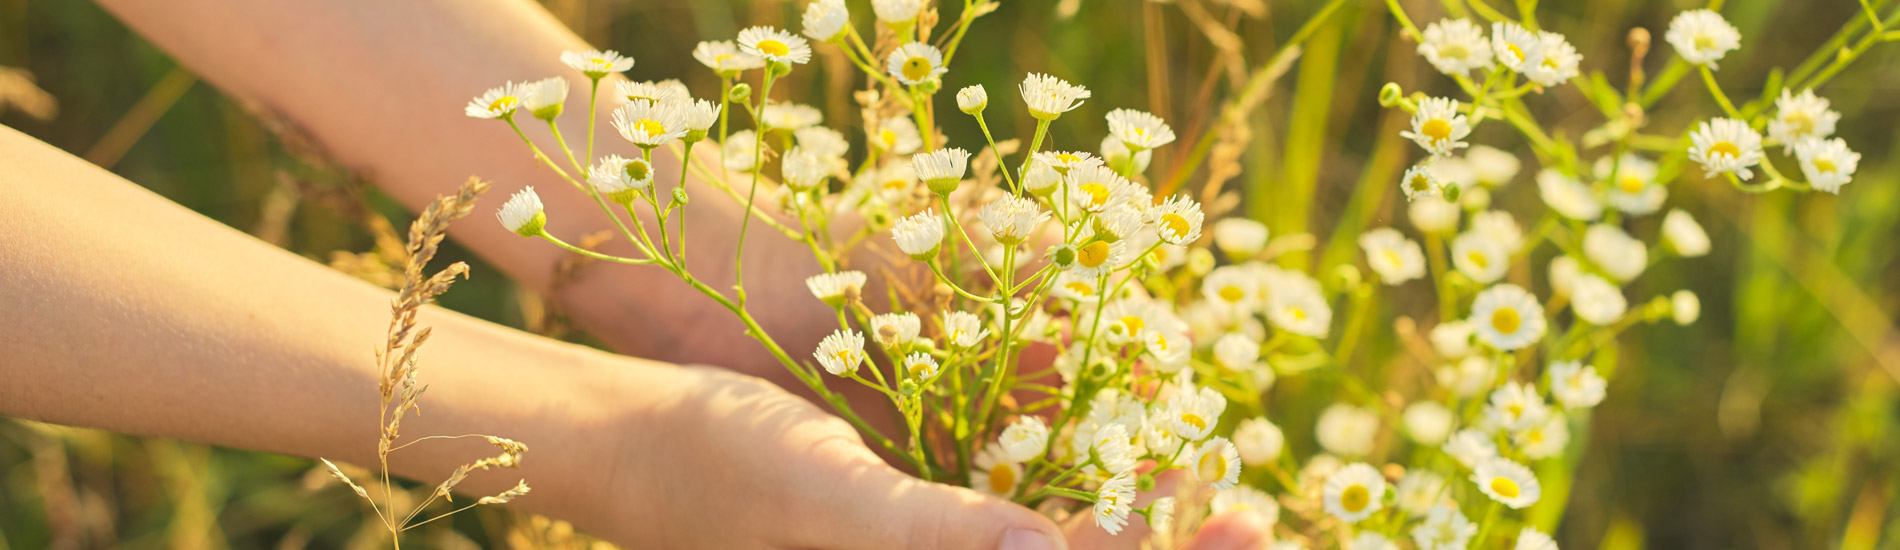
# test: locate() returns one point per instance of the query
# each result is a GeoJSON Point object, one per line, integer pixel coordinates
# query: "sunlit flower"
{"type": "Point", "coordinates": [1244, 499]}
{"type": "Point", "coordinates": [773, 44]}
{"type": "Point", "coordinates": [804, 170]}
{"type": "Point", "coordinates": [893, 12]}
{"type": "Point", "coordinates": [995, 473]}
{"type": "Point", "coordinates": [1178, 220]}
{"type": "Point", "coordinates": [740, 151]}
{"type": "Point", "coordinates": [1614, 251]}
{"type": "Point", "coordinates": [656, 92]}
{"type": "Point", "coordinates": [1420, 491]}
{"type": "Point", "coordinates": [1516, 47]}
{"type": "Point", "coordinates": [725, 58]}
{"type": "Point", "coordinates": [1438, 127]}
{"type": "Point", "coordinates": [915, 63]}
{"type": "Point", "coordinates": [1354, 492]}
{"type": "Point", "coordinates": [1012, 219]}
{"type": "Point", "coordinates": [824, 20]}
{"type": "Point", "coordinates": [1048, 97]}
{"type": "Point", "coordinates": [1467, 377]}
{"type": "Point", "coordinates": [1369, 540]}
{"type": "Point", "coordinates": [1040, 179]}
{"type": "Point", "coordinates": [649, 124]}
{"type": "Point", "coordinates": [1480, 257]}
{"type": "Point", "coordinates": [973, 99]}
{"type": "Point", "coordinates": [1684, 308]}
{"type": "Point", "coordinates": [620, 179]}
{"type": "Point", "coordinates": [1232, 288]}
{"type": "Point", "coordinates": [1531, 539]}
{"type": "Point", "coordinates": [1470, 447]}
{"type": "Point", "coordinates": [1117, 153]}
{"type": "Point", "coordinates": [1828, 164]}
{"type": "Point", "coordinates": [1634, 188]}
{"type": "Point", "coordinates": [1683, 235]}
{"type": "Point", "coordinates": [1346, 430]}
{"type": "Point", "coordinates": [841, 352]}
{"type": "Point", "coordinates": [1097, 188]}
{"type": "Point", "coordinates": [942, 170]}
{"type": "Point", "coordinates": [1702, 37]}
{"type": "Point", "coordinates": [1544, 440]}
{"type": "Point", "coordinates": [1237, 352]}
{"type": "Point", "coordinates": [1217, 464]}
{"type": "Point", "coordinates": [1516, 407]}
{"type": "Point", "coordinates": [1419, 183]}
{"type": "Point", "coordinates": [1564, 270]}
{"type": "Point", "coordinates": [1596, 301]}
{"type": "Point", "coordinates": [1507, 482]}
{"type": "Point", "coordinates": [833, 288]}
{"type": "Point", "coordinates": [1431, 214]}
{"type": "Point", "coordinates": [1568, 196]}
{"type": "Point", "coordinates": [1507, 317]}
{"type": "Point", "coordinates": [896, 330]}
{"type": "Point", "coordinates": [1193, 414]}
{"type": "Point", "coordinates": [1428, 422]}
{"type": "Point", "coordinates": [897, 135]}
{"type": "Point", "coordinates": [1301, 311]}
{"type": "Point", "coordinates": [497, 102]}
{"type": "Point", "coordinates": [1161, 515]}
{"type": "Point", "coordinates": [1492, 167]}
{"type": "Point", "coordinates": [544, 98]}
{"type": "Point", "coordinates": [1168, 349]}
{"type": "Point", "coordinates": [1258, 441]}
{"type": "Point", "coordinates": [1444, 528]}
{"type": "Point", "coordinates": [597, 63]}
{"type": "Point", "coordinates": [919, 235]}
{"type": "Point", "coordinates": [920, 366]}
{"type": "Point", "coordinates": [1576, 385]}
{"type": "Point", "coordinates": [1558, 61]}
{"type": "Point", "coordinates": [791, 116]}
{"type": "Point", "coordinates": [1799, 117]}
{"type": "Point", "coordinates": [1113, 502]}
{"type": "Point", "coordinates": [1452, 339]}
{"type": "Point", "coordinates": [522, 213]}
{"type": "Point", "coordinates": [1064, 162]}
{"type": "Point", "coordinates": [1024, 439]}
{"type": "Point", "coordinates": [1113, 444]}
{"type": "Point", "coordinates": [1395, 258]}
{"type": "Point", "coordinates": [963, 329]}
{"type": "Point", "coordinates": [1725, 145]}
{"type": "Point", "coordinates": [1139, 130]}
{"type": "Point", "coordinates": [1455, 46]}
{"type": "Point", "coordinates": [1088, 260]}
{"type": "Point", "coordinates": [1240, 238]}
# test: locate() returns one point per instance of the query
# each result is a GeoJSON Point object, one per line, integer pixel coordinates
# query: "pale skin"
{"type": "Point", "coordinates": [130, 313]}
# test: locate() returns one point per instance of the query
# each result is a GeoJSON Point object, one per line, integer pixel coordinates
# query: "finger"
{"type": "Point", "coordinates": [1231, 531]}
{"type": "Point", "coordinates": [869, 505]}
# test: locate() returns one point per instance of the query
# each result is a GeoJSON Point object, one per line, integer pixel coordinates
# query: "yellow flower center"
{"type": "Point", "coordinates": [1803, 124]}
{"type": "Point", "coordinates": [1703, 42]}
{"type": "Point", "coordinates": [1516, 410]}
{"type": "Point", "coordinates": [1213, 466]}
{"type": "Point", "coordinates": [1824, 166]}
{"type": "Point", "coordinates": [638, 171]}
{"type": "Point", "coordinates": [916, 69]}
{"type": "Point", "coordinates": [1194, 420]}
{"type": "Point", "coordinates": [650, 126]}
{"type": "Point", "coordinates": [896, 185]}
{"type": "Point", "coordinates": [843, 356]}
{"type": "Point", "coordinates": [1506, 320]}
{"type": "Point", "coordinates": [1080, 289]}
{"type": "Point", "coordinates": [1515, 52]}
{"type": "Point", "coordinates": [1133, 323]}
{"type": "Point", "coordinates": [1355, 498]}
{"type": "Point", "coordinates": [1231, 293]}
{"type": "Point", "coordinates": [1478, 259]}
{"type": "Point", "coordinates": [1002, 479]}
{"type": "Point", "coordinates": [1504, 487]}
{"type": "Point", "coordinates": [721, 59]}
{"type": "Point", "coordinates": [774, 47]}
{"type": "Point", "coordinates": [1176, 226]}
{"type": "Point", "coordinates": [1098, 193]}
{"type": "Point", "coordinates": [1392, 258]}
{"type": "Point", "coordinates": [506, 102]}
{"type": "Point", "coordinates": [1630, 184]}
{"type": "Point", "coordinates": [1162, 343]}
{"type": "Point", "coordinates": [1437, 129]}
{"type": "Point", "coordinates": [1453, 51]}
{"type": "Point", "coordinates": [1296, 312]}
{"type": "Point", "coordinates": [1068, 158]}
{"type": "Point", "coordinates": [1420, 183]}
{"type": "Point", "coordinates": [1725, 148]}
{"type": "Point", "coordinates": [1092, 255]}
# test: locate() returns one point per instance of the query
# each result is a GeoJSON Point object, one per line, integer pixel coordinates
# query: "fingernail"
{"type": "Point", "coordinates": [1027, 539]}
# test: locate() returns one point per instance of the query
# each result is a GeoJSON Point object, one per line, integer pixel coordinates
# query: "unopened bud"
{"type": "Point", "coordinates": [739, 92]}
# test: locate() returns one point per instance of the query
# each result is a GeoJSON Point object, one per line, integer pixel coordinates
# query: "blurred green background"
{"type": "Point", "coordinates": [1768, 424]}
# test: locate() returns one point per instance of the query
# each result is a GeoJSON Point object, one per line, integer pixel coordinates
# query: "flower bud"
{"type": "Point", "coordinates": [973, 99]}
{"type": "Point", "coordinates": [739, 92]}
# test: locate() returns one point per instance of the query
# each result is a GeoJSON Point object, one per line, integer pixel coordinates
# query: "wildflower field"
{"type": "Point", "coordinates": [1412, 274]}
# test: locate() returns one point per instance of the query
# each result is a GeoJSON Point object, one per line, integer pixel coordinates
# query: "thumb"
{"type": "Point", "coordinates": [880, 507]}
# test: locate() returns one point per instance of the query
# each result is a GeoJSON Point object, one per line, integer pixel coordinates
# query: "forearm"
{"type": "Point", "coordinates": [130, 313]}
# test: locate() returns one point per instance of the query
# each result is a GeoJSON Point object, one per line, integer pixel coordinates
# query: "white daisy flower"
{"type": "Point", "coordinates": [1468, 377]}
{"type": "Point", "coordinates": [1169, 349]}
{"type": "Point", "coordinates": [1634, 189]}
{"type": "Point", "coordinates": [1576, 385]}
{"type": "Point", "coordinates": [1532, 539]}
{"type": "Point", "coordinates": [648, 124]}
{"type": "Point", "coordinates": [1240, 238]}
{"type": "Point", "coordinates": [1596, 301]}
{"type": "Point", "coordinates": [1827, 164]}
{"type": "Point", "coordinates": [1492, 167]}
{"type": "Point", "coordinates": [1244, 499]}
{"type": "Point", "coordinates": [1516, 407]}
{"type": "Point", "coordinates": [725, 58]}
{"type": "Point", "coordinates": [1499, 227]}
{"type": "Point", "coordinates": [1139, 130]}
{"type": "Point", "coordinates": [824, 142]}
{"type": "Point", "coordinates": [1354, 492]}
{"type": "Point", "coordinates": [824, 20]}
{"type": "Point", "coordinates": [1113, 446]}
{"type": "Point", "coordinates": [1684, 235]}
{"type": "Point", "coordinates": [791, 116]}
{"type": "Point", "coordinates": [1702, 37]}
{"type": "Point", "coordinates": [497, 102]}
{"type": "Point", "coordinates": [1431, 214]}
{"type": "Point", "coordinates": [1161, 515]}
{"type": "Point", "coordinates": [1420, 491]}
{"type": "Point", "coordinates": [544, 98]}
{"type": "Point", "coordinates": [963, 329]}
{"type": "Point", "coordinates": [1024, 439]}
{"type": "Point", "coordinates": [1300, 311]}
{"type": "Point", "coordinates": [1684, 308]}
{"type": "Point", "coordinates": [1085, 262]}
{"type": "Point", "coordinates": [1114, 500]}
{"type": "Point", "coordinates": [1438, 127]}
{"type": "Point", "coordinates": [1063, 162]}
{"type": "Point", "coordinates": [1072, 286]}
{"type": "Point", "coordinates": [804, 170]}
{"type": "Point", "coordinates": [973, 99]}
{"type": "Point", "coordinates": [942, 170]}
{"type": "Point", "coordinates": [1237, 352]}
{"type": "Point", "coordinates": [995, 474]}
{"type": "Point", "coordinates": [1395, 258]}
{"type": "Point", "coordinates": [1544, 440]}
{"type": "Point", "coordinates": [1192, 414]}
{"type": "Point", "coordinates": [1369, 540]}
{"type": "Point", "coordinates": [1117, 152]}
{"type": "Point", "coordinates": [893, 12]}
{"type": "Point", "coordinates": [1725, 145]}
{"type": "Point", "coordinates": [896, 330]}
{"type": "Point", "coordinates": [919, 235]}
{"type": "Point", "coordinates": [1420, 183]}
{"type": "Point", "coordinates": [620, 179]}
{"type": "Point", "coordinates": [1479, 256]}
{"type": "Point", "coordinates": [1799, 117]}
{"type": "Point", "coordinates": [897, 135]}
{"type": "Point", "coordinates": [1178, 220]}
{"type": "Point", "coordinates": [1470, 447]}
{"type": "Point", "coordinates": [1346, 430]}
{"type": "Point", "coordinates": [920, 366]}
{"type": "Point", "coordinates": [596, 63]}
{"type": "Point", "coordinates": [1558, 61]}
{"type": "Point", "coordinates": [1564, 270]}
{"type": "Point", "coordinates": [1507, 317]}
{"type": "Point", "coordinates": [1507, 482]}
{"type": "Point", "coordinates": [1217, 464]}
{"type": "Point", "coordinates": [739, 151]}
{"type": "Point", "coordinates": [1444, 528]}
{"type": "Point", "coordinates": [841, 352]}
{"type": "Point", "coordinates": [895, 181]}
{"type": "Point", "coordinates": [1568, 196]}
{"type": "Point", "coordinates": [773, 44]}
{"type": "Point", "coordinates": [699, 116]}
{"type": "Point", "coordinates": [1516, 47]}
{"type": "Point", "coordinates": [656, 92]}
{"type": "Point", "coordinates": [1452, 339]}
{"type": "Point", "coordinates": [915, 63]}
{"type": "Point", "coordinates": [1614, 251]}
{"type": "Point", "coordinates": [522, 213]}
{"type": "Point", "coordinates": [1428, 422]}
{"type": "Point", "coordinates": [833, 288]}
{"type": "Point", "coordinates": [1011, 220]}
{"type": "Point", "coordinates": [1048, 97]}
{"type": "Point", "coordinates": [1258, 441]}
{"type": "Point", "coordinates": [1455, 46]}
{"type": "Point", "coordinates": [1096, 188]}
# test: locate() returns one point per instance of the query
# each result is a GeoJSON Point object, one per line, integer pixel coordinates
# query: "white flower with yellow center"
{"type": "Point", "coordinates": [544, 98]}
{"type": "Point", "coordinates": [1139, 130]}
{"type": "Point", "coordinates": [596, 63]}
{"type": "Point", "coordinates": [896, 330]}
{"type": "Point", "coordinates": [915, 63]}
{"type": "Point", "coordinates": [1576, 385]}
{"type": "Point", "coordinates": [620, 179]}
{"type": "Point", "coordinates": [1633, 187]}
{"type": "Point", "coordinates": [1237, 352]}
{"type": "Point", "coordinates": [1468, 377]}
{"type": "Point", "coordinates": [1531, 539]}
{"type": "Point", "coordinates": [1085, 262]}
{"type": "Point", "coordinates": [773, 44]}
{"type": "Point", "coordinates": [1354, 492]}
{"type": "Point", "coordinates": [497, 102]}
{"type": "Point", "coordinates": [1048, 97]}
{"type": "Point", "coordinates": [1568, 196]}
{"type": "Point", "coordinates": [824, 142]}
{"type": "Point", "coordinates": [919, 235]}
{"type": "Point", "coordinates": [1544, 440]}
{"type": "Point", "coordinates": [1516, 47]}
{"type": "Point", "coordinates": [1516, 407]}
{"type": "Point", "coordinates": [804, 170]}
{"type": "Point", "coordinates": [1117, 153]}
{"type": "Point", "coordinates": [1247, 500]}
{"type": "Point", "coordinates": [1395, 258]}
{"type": "Point", "coordinates": [1683, 235]}
{"type": "Point", "coordinates": [995, 474]}
{"type": "Point", "coordinates": [1799, 117]}
{"type": "Point", "coordinates": [1178, 220]}
{"type": "Point", "coordinates": [1470, 447]}
{"type": "Point", "coordinates": [790, 116]}
{"type": "Point", "coordinates": [1420, 491]}
{"type": "Point", "coordinates": [841, 352]}
{"type": "Point", "coordinates": [739, 152]}
{"type": "Point", "coordinates": [1702, 37]}
{"type": "Point", "coordinates": [1346, 430]}
{"type": "Point", "coordinates": [657, 92]}
{"type": "Point", "coordinates": [1419, 183]}
{"type": "Point", "coordinates": [1064, 162]}
{"type": "Point", "coordinates": [1161, 515]}
{"type": "Point", "coordinates": [920, 366]}
{"type": "Point", "coordinates": [1444, 528]}
{"type": "Point", "coordinates": [1428, 422]}
{"type": "Point", "coordinates": [1096, 188]}
{"type": "Point", "coordinates": [1507, 317]}
{"type": "Point", "coordinates": [1614, 251]}
{"type": "Point", "coordinates": [1492, 167]}
{"type": "Point", "coordinates": [1122, 222]}
{"type": "Point", "coordinates": [1169, 349]}
{"type": "Point", "coordinates": [1072, 286]}
{"type": "Point", "coordinates": [1217, 464]}
{"type": "Point", "coordinates": [1240, 238]}
{"type": "Point", "coordinates": [1455, 46]}
{"type": "Point", "coordinates": [973, 99]}
{"type": "Point", "coordinates": [1725, 145]}
{"type": "Point", "coordinates": [833, 288]}
{"type": "Point", "coordinates": [699, 117]}
{"type": "Point", "coordinates": [1113, 446]}
{"type": "Point", "coordinates": [522, 214]}
{"type": "Point", "coordinates": [1369, 540]}
{"type": "Point", "coordinates": [824, 20]}
{"type": "Point", "coordinates": [1024, 439]}
{"type": "Point", "coordinates": [1259, 441]}
{"type": "Point", "coordinates": [893, 12]}
{"type": "Point", "coordinates": [1438, 127]}
{"type": "Point", "coordinates": [1114, 501]}
{"type": "Point", "coordinates": [1433, 214]}
{"type": "Point", "coordinates": [1300, 311]}
{"type": "Point", "coordinates": [1596, 301]}
{"type": "Point", "coordinates": [1828, 164]}
{"type": "Point", "coordinates": [1480, 257]}
{"type": "Point", "coordinates": [896, 135]}
{"type": "Point", "coordinates": [963, 329]}
{"type": "Point", "coordinates": [1684, 308]}
{"type": "Point", "coordinates": [1011, 220]}
{"type": "Point", "coordinates": [648, 124]}
{"type": "Point", "coordinates": [1507, 482]}
{"type": "Point", "coordinates": [1499, 227]}
{"type": "Point", "coordinates": [1452, 339]}
{"type": "Point", "coordinates": [895, 181]}
{"type": "Point", "coordinates": [1193, 413]}
{"type": "Point", "coordinates": [1558, 61]}
{"type": "Point", "coordinates": [1564, 270]}
{"type": "Point", "coordinates": [942, 170]}
{"type": "Point", "coordinates": [725, 58]}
